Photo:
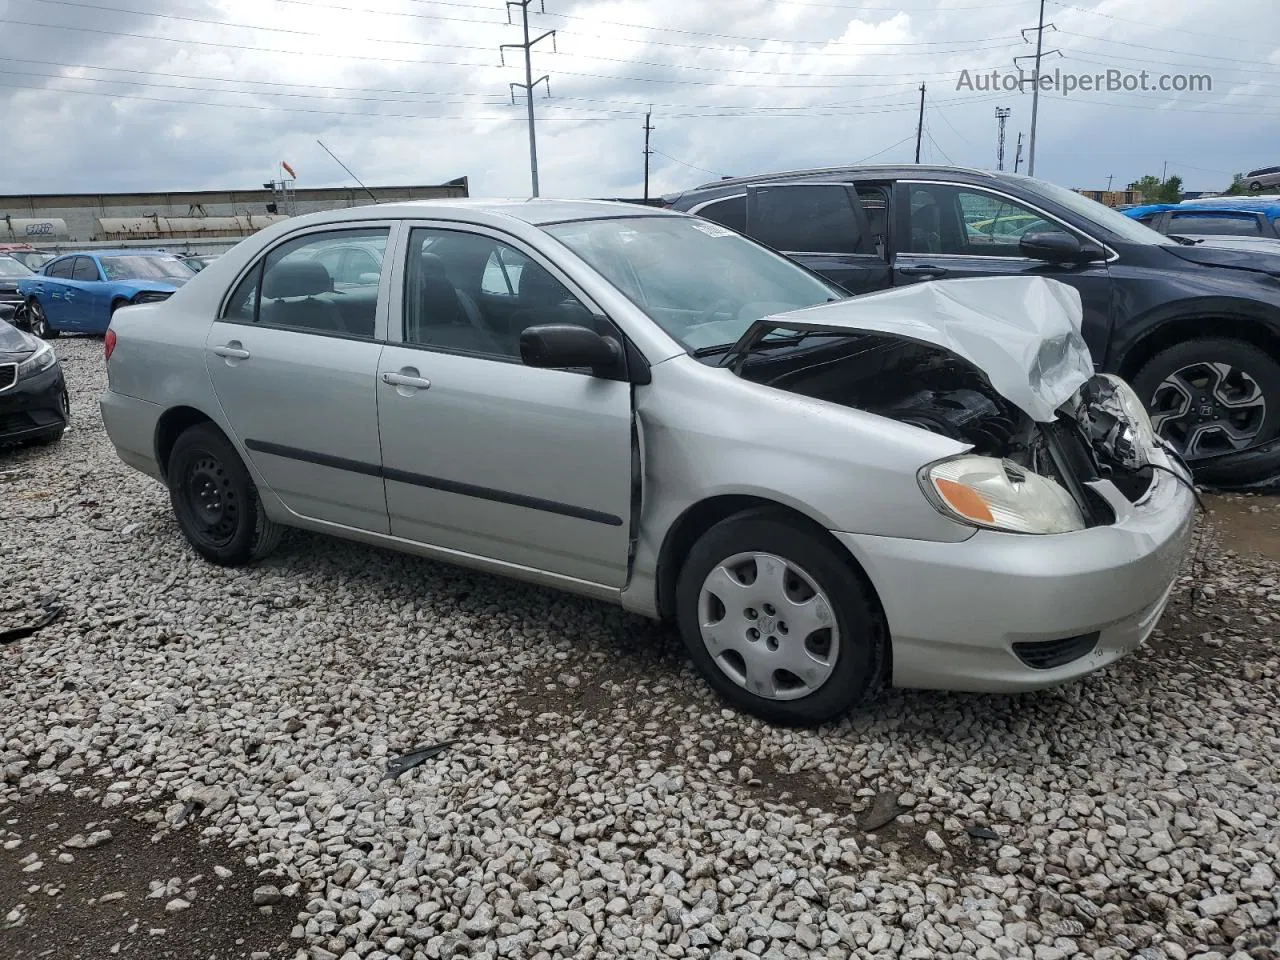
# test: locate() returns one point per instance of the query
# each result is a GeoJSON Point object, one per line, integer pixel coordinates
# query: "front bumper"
{"type": "Point", "coordinates": [34, 406]}
{"type": "Point", "coordinates": [955, 610]}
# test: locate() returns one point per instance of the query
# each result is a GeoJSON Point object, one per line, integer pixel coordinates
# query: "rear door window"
{"type": "Point", "coordinates": [84, 269]}
{"type": "Point", "coordinates": [806, 218]}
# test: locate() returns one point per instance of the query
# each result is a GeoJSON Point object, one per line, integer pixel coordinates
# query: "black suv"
{"type": "Point", "coordinates": [1195, 329]}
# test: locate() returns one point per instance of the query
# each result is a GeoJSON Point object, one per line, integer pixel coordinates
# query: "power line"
{"type": "Point", "coordinates": [1143, 46]}
{"type": "Point", "coordinates": [966, 45]}
{"type": "Point", "coordinates": [683, 163]}
{"type": "Point", "coordinates": [1150, 25]}
{"type": "Point", "coordinates": [878, 153]}
{"type": "Point", "coordinates": [484, 66]}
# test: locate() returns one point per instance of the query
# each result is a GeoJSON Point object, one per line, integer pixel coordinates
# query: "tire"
{"type": "Point", "coordinates": [1184, 387]}
{"type": "Point", "coordinates": [53, 436]}
{"type": "Point", "coordinates": [38, 321]}
{"type": "Point", "coordinates": [848, 669]}
{"type": "Point", "coordinates": [1255, 187]}
{"type": "Point", "coordinates": [214, 499]}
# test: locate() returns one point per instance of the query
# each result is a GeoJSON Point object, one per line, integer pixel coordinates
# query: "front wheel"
{"type": "Point", "coordinates": [38, 321]}
{"type": "Point", "coordinates": [1212, 396]}
{"type": "Point", "coordinates": [215, 501]}
{"type": "Point", "coordinates": [778, 622]}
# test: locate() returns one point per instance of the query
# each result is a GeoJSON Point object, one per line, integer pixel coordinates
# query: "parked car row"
{"type": "Point", "coordinates": [1194, 327]}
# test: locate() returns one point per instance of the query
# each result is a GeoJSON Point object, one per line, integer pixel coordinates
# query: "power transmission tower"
{"type": "Point", "coordinates": [1017, 157]}
{"type": "Point", "coordinates": [648, 129]}
{"type": "Point", "coordinates": [1002, 115]}
{"type": "Point", "coordinates": [920, 125]}
{"type": "Point", "coordinates": [1039, 29]}
{"type": "Point", "coordinates": [529, 82]}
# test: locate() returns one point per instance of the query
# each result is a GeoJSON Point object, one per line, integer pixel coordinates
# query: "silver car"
{"type": "Point", "coordinates": [927, 487]}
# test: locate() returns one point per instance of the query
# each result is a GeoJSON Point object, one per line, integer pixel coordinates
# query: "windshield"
{"type": "Point", "coordinates": [11, 269]}
{"type": "Point", "coordinates": [700, 282]}
{"type": "Point", "coordinates": [1125, 228]}
{"type": "Point", "coordinates": [146, 268]}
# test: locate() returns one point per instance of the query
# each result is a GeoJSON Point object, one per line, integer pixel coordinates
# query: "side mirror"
{"type": "Point", "coordinates": [1057, 247]}
{"type": "Point", "coordinates": [569, 345]}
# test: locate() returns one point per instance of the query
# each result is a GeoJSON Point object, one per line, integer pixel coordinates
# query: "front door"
{"type": "Point", "coordinates": [481, 454]}
{"type": "Point", "coordinates": [949, 231]}
{"type": "Point", "coordinates": [295, 374]}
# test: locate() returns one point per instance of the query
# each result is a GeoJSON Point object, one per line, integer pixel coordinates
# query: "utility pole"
{"type": "Point", "coordinates": [1002, 115]}
{"type": "Point", "coordinates": [1110, 177]}
{"type": "Point", "coordinates": [648, 129]}
{"type": "Point", "coordinates": [529, 82]}
{"type": "Point", "coordinates": [920, 125]}
{"type": "Point", "coordinates": [1040, 28]}
{"type": "Point", "coordinates": [1164, 174]}
{"type": "Point", "coordinates": [1017, 157]}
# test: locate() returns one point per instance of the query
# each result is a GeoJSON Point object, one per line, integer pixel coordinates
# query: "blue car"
{"type": "Point", "coordinates": [1218, 217]}
{"type": "Point", "coordinates": [78, 292]}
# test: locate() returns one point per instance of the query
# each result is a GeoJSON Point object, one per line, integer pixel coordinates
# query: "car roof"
{"type": "Point", "coordinates": [1143, 209]}
{"type": "Point", "coordinates": [1269, 205]}
{"type": "Point", "coordinates": [889, 171]}
{"type": "Point", "coordinates": [536, 212]}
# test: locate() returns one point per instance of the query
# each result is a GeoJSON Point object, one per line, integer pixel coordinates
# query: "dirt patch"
{"type": "Point", "coordinates": [1247, 523]}
{"type": "Point", "coordinates": [90, 897]}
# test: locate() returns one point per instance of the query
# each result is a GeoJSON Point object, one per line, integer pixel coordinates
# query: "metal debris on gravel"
{"type": "Point", "coordinates": [607, 806]}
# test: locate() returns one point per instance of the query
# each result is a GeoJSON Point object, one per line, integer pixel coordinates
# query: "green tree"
{"type": "Point", "coordinates": [1155, 191]}
{"type": "Point", "coordinates": [1237, 188]}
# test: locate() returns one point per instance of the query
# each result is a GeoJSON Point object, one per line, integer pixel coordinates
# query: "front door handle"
{"type": "Point", "coordinates": [923, 270]}
{"type": "Point", "coordinates": [408, 377]}
{"type": "Point", "coordinates": [232, 351]}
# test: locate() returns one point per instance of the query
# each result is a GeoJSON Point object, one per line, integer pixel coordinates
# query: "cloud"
{"type": "Point", "coordinates": [109, 95]}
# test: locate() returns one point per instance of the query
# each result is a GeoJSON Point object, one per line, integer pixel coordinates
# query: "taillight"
{"type": "Point", "coordinates": [109, 344]}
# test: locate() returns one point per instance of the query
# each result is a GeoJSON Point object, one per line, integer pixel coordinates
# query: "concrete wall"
{"type": "Point", "coordinates": [83, 211]}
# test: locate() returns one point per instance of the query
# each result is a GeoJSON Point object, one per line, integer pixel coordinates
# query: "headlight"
{"type": "Point", "coordinates": [38, 362]}
{"type": "Point", "coordinates": [999, 495]}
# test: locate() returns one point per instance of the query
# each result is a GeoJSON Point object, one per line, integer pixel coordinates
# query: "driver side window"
{"type": "Point", "coordinates": [959, 221]}
{"type": "Point", "coordinates": [473, 294]}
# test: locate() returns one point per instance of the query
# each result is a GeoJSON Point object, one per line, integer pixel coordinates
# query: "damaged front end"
{"type": "Point", "coordinates": [997, 364]}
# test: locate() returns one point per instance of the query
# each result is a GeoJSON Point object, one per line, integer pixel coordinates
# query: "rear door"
{"type": "Point", "coordinates": [822, 226]}
{"type": "Point", "coordinates": [953, 230]}
{"type": "Point", "coordinates": [295, 374]}
{"type": "Point", "coordinates": [83, 298]}
{"type": "Point", "coordinates": [483, 455]}
{"type": "Point", "coordinates": [52, 290]}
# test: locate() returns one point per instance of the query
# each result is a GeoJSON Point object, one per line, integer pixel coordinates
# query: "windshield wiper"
{"type": "Point", "coordinates": [1185, 241]}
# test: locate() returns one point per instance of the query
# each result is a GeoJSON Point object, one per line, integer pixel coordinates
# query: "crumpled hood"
{"type": "Point", "coordinates": [1023, 333]}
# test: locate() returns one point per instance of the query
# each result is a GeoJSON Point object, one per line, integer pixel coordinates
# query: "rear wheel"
{"type": "Point", "coordinates": [1212, 396]}
{"type": "Point", "coordinates": [38, 321]}
{"type": "Point", "coordinates": [215, 501]}
{"type": "Point", "coordinates": [778, 622]}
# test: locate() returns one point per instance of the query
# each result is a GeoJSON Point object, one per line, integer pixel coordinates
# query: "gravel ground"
{"type": "Point", "coordinates": [599, 802]}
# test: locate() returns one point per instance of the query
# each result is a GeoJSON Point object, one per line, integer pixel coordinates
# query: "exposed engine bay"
{"type": "Point", "coordinates": [1095, 435]}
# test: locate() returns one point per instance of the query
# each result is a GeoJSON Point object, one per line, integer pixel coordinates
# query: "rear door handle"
{"type": "Point", "coordinates": [406, 379]}
{"type": "Point", "coordinates": [232, 351]}
{"type": "Point", "coordinates": [923, 270]}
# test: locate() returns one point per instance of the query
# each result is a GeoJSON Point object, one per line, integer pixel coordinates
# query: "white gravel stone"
{"type": "Point", "coordinates": [600, 801]}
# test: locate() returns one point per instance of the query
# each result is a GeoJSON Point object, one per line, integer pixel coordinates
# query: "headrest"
{"type": "Point", "coordinates": [296, 278]}
{"type": "Point", "coordinates": [538, 285]}
{"type": "Point", "coordinates": [433, 267]}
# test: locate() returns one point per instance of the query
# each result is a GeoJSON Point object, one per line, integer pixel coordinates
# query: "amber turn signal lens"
{"type": "Point", "coordinates": [963, 500]}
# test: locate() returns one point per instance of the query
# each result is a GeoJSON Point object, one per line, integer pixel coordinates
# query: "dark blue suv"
{"type": "Point", "coordinates": [1195, 329]}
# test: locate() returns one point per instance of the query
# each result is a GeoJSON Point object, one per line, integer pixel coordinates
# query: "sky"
{"type": "Point", "coordinates": [109, 95]}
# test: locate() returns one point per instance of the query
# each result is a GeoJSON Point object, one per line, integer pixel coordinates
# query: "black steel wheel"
{"type": "Point", "coordinates": [215, 501]}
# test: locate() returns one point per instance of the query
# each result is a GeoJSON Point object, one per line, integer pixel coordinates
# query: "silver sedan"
{"type": "Point", "coordinates": [926, 487]}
